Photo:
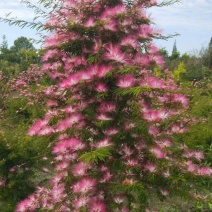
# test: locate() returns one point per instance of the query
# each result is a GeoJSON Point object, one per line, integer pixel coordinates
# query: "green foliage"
{"type": "Point", "coordinates": [22, 43]}
{"type": "Point", "coordinates": [197, 72]}
{"type": "Point", "coordinates": [175, 53]}
{"type": "Point", "coordinates": [197, 66]}
{"type": "Point", "coordinates": [185, 57]}
{"type": "Point", "coordinates": [164, 53]}
{"type": "Point", "coordinates": [135, 91]}
{"type": "Point", "coordinates": [4, 44]}
{"type": "Point", "coordinates": [179, 72]}
{"type": "Point", "coordinates": [20, 155]}
{"type": "Point", "coordinates": [199, 135]}
{"type": "Point", "coordinates": [99, 154]}
{"type": "Point", "coordinates": [93, 58]}
{"type": "Point", "coordinates": [174, 48]}
{"type": "Point", "coordinates": [17, 58]}
{"type": "Point", "coordinates": [24, 154]}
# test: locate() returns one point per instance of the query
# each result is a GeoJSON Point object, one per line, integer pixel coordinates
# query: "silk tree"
{"type": "Point", "coordinates": [113, 118]}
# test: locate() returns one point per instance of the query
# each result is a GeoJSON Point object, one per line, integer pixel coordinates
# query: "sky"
{"type": "Point", "coordinates": [192, 19]}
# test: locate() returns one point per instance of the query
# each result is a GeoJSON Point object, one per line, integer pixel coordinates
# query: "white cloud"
{"type": "Point", "coordinates": [190, 18]}
{"type": "Point", "coordinates": [189, 14]}
{"type": "Point", "coordinates": [17, 9]}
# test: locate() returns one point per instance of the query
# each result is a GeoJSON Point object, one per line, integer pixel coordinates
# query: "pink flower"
{"type": "Point", "coordinates": [49, 54]}
{"type": "Point", "coordinates": [191, 167]}
{"type": "Point", "coordinates": [101, 87]}
{"type": "Point", "coordinates": [97, 45]}
{"type": "Point", "coordinates": [103, 70]}
{"type": "Point", "coordinates": [97, 206]}
{"type": "Point", "coordinates": [70, 81]}
{"type": "Point", "coordinates": [62, 166]}
{"type": "Point", "coordinates": [103, 143]}
{"type": "Point", "coordinates": [13, 169]}
{"type": "Point", "coordinates": [106, 177]}
{"type": "Point", "coordinates": [114, 53]}
{"type": "Point", "coordinates": [107, 107]}
{"type": "Point", "coordinates": [154, 82]}
{"type": "Point", "coordinates": [94, 69]}
{"type": "Point", "coordinates": [128, 181]}
{"type": "Point", "coordinates": [127, 151]}
{"type": "Point", "coordinates": [29, 204]}
{"type": "Point", "coordinates": [164, 143]}
{"type": "Point", "coordinates": [198, 155]}
{"type": "Point", "coordinates": [53, 21]}
{"type": "Point", "coordinates": [144, 31]}
{"type": "Point", "coordinates": [35, 128]}
{"type": "Point", "coordinates": [65, 146]}
{"type": "Point", "coordinates": [166, 174]}
{"type": "Point", "coordinates": [113, 11]}
{"type": "Point", "coordinates": [110, 24]}
{"type": "Point", "coordinates": [79, 169]}
{"type": "Point", "coordinates": [155, 115]}
{"type": "Point", "coordinates": [67, 123]}
{"type": "Point", "coordinates": [90, 22]}
{"type": "Point", "coordinates": [45, 170]}
{"type": "Point", "coordinates": [150, 167]}
{"type": "Point", "coordinates": [152, 49]}
{"type": "Point", "coordinates": [163, 114]}
{"type": "Point", "coordinates": [126, 81]}
{"type": "Point", "coordinates": [22, 206]}
{"type": "Point", "coordinates": [132, 162]}
{"type": "Point", "coordinates": [158, 152]}
{"type": "Point", "coordinates": [205, 171]}
{"type": "Point", "coordinates": [111, 131]}
{"type": "Point", "coordinates": [85, 75]}
{"type": "Point", "coordinates": [140, 146]}
{"type": "Point", "coordinates": [125, 209]}
{"type": "Point", "coordinates": [141, 59]}
{"type": "Point", "coordinates": [158, 59]}
{"type": "Point", "coordinates": [130, 41]}
{"type": "Point", "coordinates": [2, 182]}
{"type": "Point", "coordinates": [58, 193]}
{"type": "Point", "coordinates": [103, 117]}
{"type": "Point", "coordinates": [164, 192]}
{"type": "Point", "coordinates": [30, 103]}
{"type": "Point", "coordinates": [81, 202]}
{"type": "Point", "coordinates": [181, 99]}
{"type": "Point", "coordinates": [57, 179]}
{"type": "Point", "coordinates": [177, 129]}
{"type": "Point", "coordinates": [151, 115]}
{"type": "Point", "coordinates": [46, 131]}
{"type": "Point", "coordinates": [153, 130]}
{"type": "Point", "coordinates": [70, 109]}
{"type": "Point", "coordinates": [119, 199]}
{"type": "Point", "coordinates": [84, 185]}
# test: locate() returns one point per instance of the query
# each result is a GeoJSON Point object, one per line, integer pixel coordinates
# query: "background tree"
{"type": "Point", "coordinates": [210, 44]}
{"type": "Point", "coordinates": [165, 54]}
{"type": "Point", "coordinates": [19, 57]}
{"type": "Point", "coordinates": [4, 44]}
{"type": "Point", "coordinates": [206, 55]}
{"type": "Point", "coordinates": [175, 53]}
{"type": "Point", "coordinates": [22, 43]}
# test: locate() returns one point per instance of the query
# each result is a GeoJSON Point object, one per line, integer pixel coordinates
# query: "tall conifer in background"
{"type": "Point", "coordinates": [174, 47]}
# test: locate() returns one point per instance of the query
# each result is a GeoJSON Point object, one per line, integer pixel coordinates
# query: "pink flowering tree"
{"type": "Point", "coordinates": [113, 121]}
